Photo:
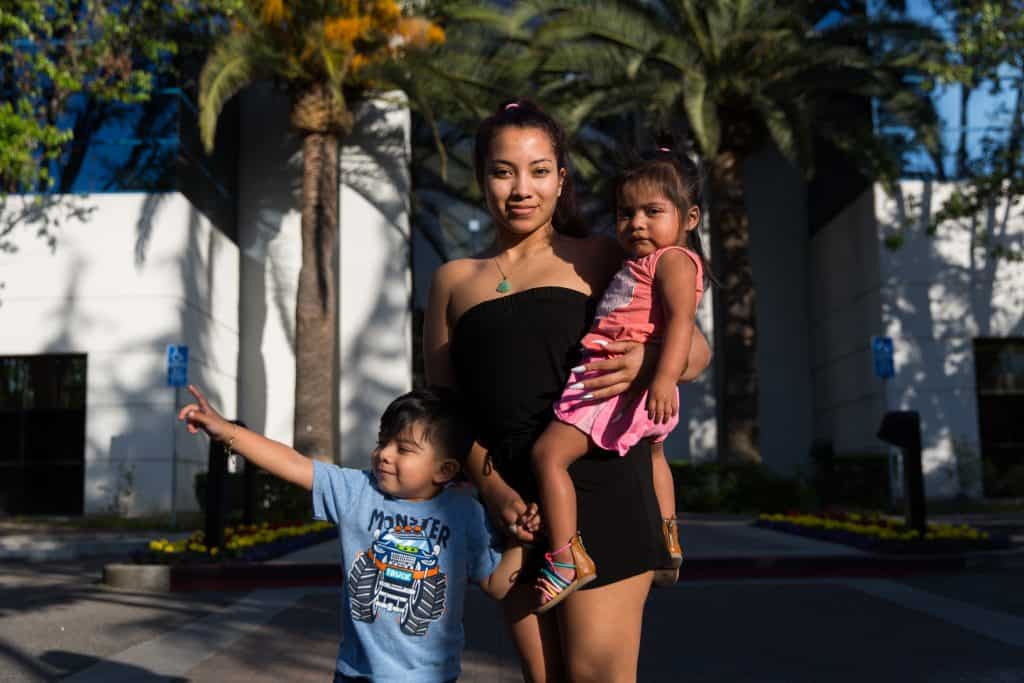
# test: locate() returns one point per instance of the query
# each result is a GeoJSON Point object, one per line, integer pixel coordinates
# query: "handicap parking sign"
{"type": "Point", "coordinates": [881, 351]}
{"type": "Point", "coordinates": [177, 365]}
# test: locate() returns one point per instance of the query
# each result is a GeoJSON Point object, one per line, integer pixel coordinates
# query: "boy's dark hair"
{"type": "Point", "coordinates": [441, 412]}
{"type": "Point", "coordinates": [523, 113]}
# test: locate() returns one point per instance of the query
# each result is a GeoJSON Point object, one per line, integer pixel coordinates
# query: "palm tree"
{"type": "Point", "coordinates": [324, 53]}
{"type": "Point", "coordinates": [739, 74]}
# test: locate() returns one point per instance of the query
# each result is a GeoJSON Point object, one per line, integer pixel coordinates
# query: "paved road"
{"type": "Point", "coordinates": [56, 621]}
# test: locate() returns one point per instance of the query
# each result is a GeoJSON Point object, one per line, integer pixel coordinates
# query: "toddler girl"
{"type": "Point", "coordinates": [653, 295]}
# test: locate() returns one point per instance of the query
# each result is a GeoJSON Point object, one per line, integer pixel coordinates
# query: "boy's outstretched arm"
{"type": "Point", "coordinates": [501, 580]}
{"type": "Point", "coordinates": [273, 456]}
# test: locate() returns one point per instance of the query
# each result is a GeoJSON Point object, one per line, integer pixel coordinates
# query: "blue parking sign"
{"type": "Point", "coordinates": [177, 365]}
{"type": "Point", "coordinates": [881, 351]}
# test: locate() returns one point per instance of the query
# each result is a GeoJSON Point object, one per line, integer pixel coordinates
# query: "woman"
{"type": "Point", "coordinates": [504, 328]}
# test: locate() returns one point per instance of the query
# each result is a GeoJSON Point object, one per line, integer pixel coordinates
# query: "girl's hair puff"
{"type": "Point", "coordinates": [681, 179]}
{"type": "Point", "coordinates": [523, 113]}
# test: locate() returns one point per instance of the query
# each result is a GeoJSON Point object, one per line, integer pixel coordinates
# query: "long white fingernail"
{"type": "Point", "coordinates": [576, 385]}
{"type": "Point", "coordinates": [601, 342]}
{"type": "Point", "coordinates": [587, 396]}
{"type": "Point", "coordinates": [579, 368]}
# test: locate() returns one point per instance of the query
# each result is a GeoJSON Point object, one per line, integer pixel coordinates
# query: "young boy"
{"type": "Point", "coordinates": [409, 545]}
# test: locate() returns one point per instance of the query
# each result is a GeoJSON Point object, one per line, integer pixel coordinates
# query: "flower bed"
{"type": "Point", "coordinates": [252, 543]}
{"type": "Point", "coordinates": [878, 533]}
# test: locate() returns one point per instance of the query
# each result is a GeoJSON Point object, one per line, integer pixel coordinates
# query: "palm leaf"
{"type": "Point", "coordinates": [229, 68]}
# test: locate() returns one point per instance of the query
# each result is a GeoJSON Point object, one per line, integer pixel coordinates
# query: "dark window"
{"type": "Point", "coordinates": [999, 377]}
{"type": "Point", "coordinates": [42, 420]}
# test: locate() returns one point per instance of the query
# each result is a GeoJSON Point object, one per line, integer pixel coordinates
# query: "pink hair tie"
{"type": "Point", "coordinates": [664, 149]}
{"type": "Point", "coordinates": [511, 105]}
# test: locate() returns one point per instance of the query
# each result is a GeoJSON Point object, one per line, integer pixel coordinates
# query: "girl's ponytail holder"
{"type": "Point", "coordinates": [511, 105]}
{"type": "Point", "coordinates": [664, 149]}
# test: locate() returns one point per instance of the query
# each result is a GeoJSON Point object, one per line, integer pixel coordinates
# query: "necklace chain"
{"type": "Point", "coordinates": [504, 286]}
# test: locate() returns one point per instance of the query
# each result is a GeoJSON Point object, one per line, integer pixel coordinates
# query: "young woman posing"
{"type": "Point", "coordinates": [505, 328]}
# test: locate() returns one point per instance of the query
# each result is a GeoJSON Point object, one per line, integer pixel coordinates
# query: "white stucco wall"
{"type": "Point", "coordinates": [135, 273]}
{"type": "Point", "coordinates": [375, 285]}
{"type": "Point", "coordinates": [845, 310]}
{"type": "Point", "coordinates": [933, 295]}
{"type": "Point", "coordinates": [779, 256]}
{"type": "Point", "coordinates": [938, 294]}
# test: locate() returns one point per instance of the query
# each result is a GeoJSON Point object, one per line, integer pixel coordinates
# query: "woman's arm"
{"type": "Point", "coordinates": [437, 363]}
{"type": "Point", "coordinates": [503, 503]}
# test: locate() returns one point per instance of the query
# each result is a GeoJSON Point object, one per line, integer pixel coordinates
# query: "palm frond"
{"type": "Point", "coordinates": [229, 68]}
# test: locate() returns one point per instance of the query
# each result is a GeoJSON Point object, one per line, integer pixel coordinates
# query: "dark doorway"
{"type": "Point", "coordinates": [999, 378]}
{"type": "Point", "coordinates": [42, 420]}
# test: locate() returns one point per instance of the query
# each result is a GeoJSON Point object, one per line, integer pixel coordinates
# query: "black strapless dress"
{"type": "Point", "coordinates": [511, 358]}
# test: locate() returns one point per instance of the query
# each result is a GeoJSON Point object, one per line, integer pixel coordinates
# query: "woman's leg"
{"type": "Point", "coordinates": [536, 637]}
{"type": "Point", "coordinates": [558, 447]}
{"type": "Point", "coordinates": [601, 630]}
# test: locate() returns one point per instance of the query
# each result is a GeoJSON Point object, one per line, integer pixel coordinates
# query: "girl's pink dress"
{"type": "Point", "coordinates": [628, 311]}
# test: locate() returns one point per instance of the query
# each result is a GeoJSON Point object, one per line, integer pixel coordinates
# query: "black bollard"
{"type": "Point", "coordinates": [216, 498]}
{"type": "Point", "coordinates": [902, 428]}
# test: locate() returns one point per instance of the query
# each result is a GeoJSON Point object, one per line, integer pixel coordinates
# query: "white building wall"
{"type": "Point", "coordinates": [128, 276]}
{"type": "Point", "coordinates": [933, 294]}
{"type": "Point", "coordinates": [374, 269]}
{"type": "Point", "coordinates": [845, 304]}
{"type": "Point", "coordinates": [779, 257]}
{"type": "Point", "coordinates": [939, 293]}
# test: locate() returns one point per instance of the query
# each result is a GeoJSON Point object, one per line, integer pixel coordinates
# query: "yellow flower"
{"type": "Point", "coordinates": [272, 11]}
{"type": "Point", "coordinates": [386, 12]}
{"type": "Point", "coordinates": [419, 32]}
{"type": "Point", "coordinates": [343, 31]}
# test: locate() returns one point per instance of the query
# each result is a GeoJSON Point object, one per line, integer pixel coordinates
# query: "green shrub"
{"type": "Point", "coordinates": [858, 480]}
{"type": "Point", "coordinates": [738, 488]}
{"type": "Point", "coordinates": [274, 500]}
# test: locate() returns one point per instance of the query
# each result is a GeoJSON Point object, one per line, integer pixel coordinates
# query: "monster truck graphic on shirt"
{"type": "Point", "coordinates": [399, 573]}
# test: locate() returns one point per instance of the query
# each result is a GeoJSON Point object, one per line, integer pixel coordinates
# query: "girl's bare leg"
{"type": "Point", "coordinates": [601, 631]}
{"type": "Point", "coordinates": [558, 447]}
{"type": "Point", "coordinates": [536, 637]}
{"type": "Point", "coordinates": [664, 487]}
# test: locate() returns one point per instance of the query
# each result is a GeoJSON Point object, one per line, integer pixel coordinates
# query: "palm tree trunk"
{"type": "Point", "coordinates": [316, 309]}
{"type": "Point", "coordinates": [735, 320]}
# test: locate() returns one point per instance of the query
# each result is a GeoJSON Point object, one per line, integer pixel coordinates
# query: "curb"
{"type": "Point", "coordinates": [50, 551]}
{"type": "Point", "coordinates": [251, 575]}
{"type": "Point", "coordinates": [138, 577]}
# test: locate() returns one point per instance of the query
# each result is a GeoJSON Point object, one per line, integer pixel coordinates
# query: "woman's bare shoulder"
{"type": "Point", "coordinates": [451, 273]}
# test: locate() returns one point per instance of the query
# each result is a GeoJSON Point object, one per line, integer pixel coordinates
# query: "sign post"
{"type": "Point", "coordinates": [177, 377]}
{"type": "Point", "coordinates": [885, 369]}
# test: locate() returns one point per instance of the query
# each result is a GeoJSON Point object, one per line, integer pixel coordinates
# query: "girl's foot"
{"type": "Point", "coordinates": [671, 534]}
{"type": "Point", "coordinates": [559, 578]}
{"type": "Point", "coordinates": [669, 574]}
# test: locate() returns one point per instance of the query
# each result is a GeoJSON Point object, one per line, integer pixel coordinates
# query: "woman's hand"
{"type": "Point", "coordinates": [511, 514]}
{"type": "Point", "coordinates": [629, 369]}
{"type": "Point", "coordinates": [200, 415]}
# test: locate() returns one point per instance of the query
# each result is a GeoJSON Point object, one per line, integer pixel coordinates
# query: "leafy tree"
{"type": "Point", "coordinates": [53, 50]}
{"type": "Point", "coordinates": [326, 54]}
{"type": "Point", "coordinates": [985, 50]}
{"type": "Point", "coordinates": [736, 75]}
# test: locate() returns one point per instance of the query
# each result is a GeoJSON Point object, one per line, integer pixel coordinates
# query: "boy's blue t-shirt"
{"type": "Point", "coordinates": [406, 567]}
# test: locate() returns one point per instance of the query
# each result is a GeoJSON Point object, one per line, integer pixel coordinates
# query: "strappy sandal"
{"type": "Point", "coordinates": [669, 574]}
{"type": "Point", "coordinates": [554, 587]}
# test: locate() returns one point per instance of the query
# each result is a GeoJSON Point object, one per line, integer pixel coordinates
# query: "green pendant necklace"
{"type": "Point", "coordinates": [504, 285]}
